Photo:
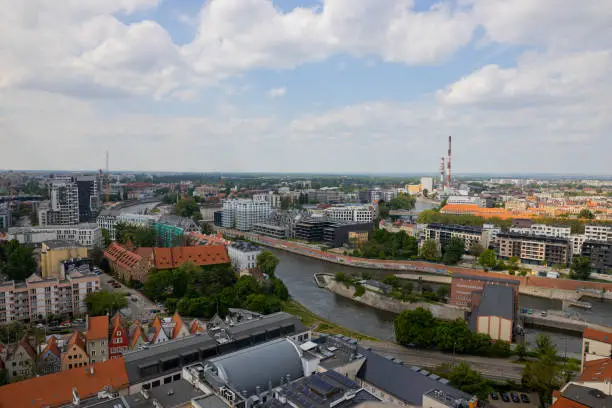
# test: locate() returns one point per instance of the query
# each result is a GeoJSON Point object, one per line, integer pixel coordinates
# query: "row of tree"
{"type": "Point", "coordinates": [419, 328]}
{"type": "Point", "coordinates": [16, 260]}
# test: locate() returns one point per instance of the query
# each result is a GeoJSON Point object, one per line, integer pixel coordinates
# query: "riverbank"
{"type": "Point", "coordinates": [318, 324]}
{"type": "Point", "coordinates": [382, 302]}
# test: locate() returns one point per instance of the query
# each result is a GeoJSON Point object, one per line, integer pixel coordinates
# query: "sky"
{"type": "Point", "coordinates": [342, 86]}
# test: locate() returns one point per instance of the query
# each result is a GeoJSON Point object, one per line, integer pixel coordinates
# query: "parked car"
{"type": "Point", "coordinates": [515, 397]}
{"type": "Point", "coordinates": [494, 396]}
{"type": "Point", "coordinates": [530, 311]}
{"type": "Point", "coordinates": [543, 313]}
{"type": "Point", "coordinates": [505, 397]}
{"type": "Point", "coordinates": [525, 398]}
{"type": "Point", "coordinates": [40, 326]}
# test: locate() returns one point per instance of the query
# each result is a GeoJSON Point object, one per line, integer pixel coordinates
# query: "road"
{"type": "Point", "coordinates": [140, 308]}
{"type": "Point", "coordinates": [491, 368]}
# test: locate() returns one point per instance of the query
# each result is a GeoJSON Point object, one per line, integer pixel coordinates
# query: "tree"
{"type": "Point", "coordinates": [103, 302]}
{"type": "Point", "coordinates": [442, 292]}
{"type": "Point", "coordinates": [476, 250]}
{"type": "Point", "coordinates": [267, 263]}
{"type": "Point", "coordinates": [402, 202]}
{"type": "Point", "coordinates": [415, 327]}
{"type": "Point", "coordinates": [487, 259]}
{"type": "Point", "coordinates": [470, 381]}
{"type": "Point", "coordinates": [16, 260]}
{"type": "Point", "coordinates": [383, 209]}
{"type": "Point", "coordinates": [521, 350]}
{"type": "Point", "coordinates": [586, 213]}
{"type": "Point", "coordinates": [580, 268]}
{"type": "Point", "coordinates": [97, 255]}
{"type": "Point", "coordinates": [106, 239]}
{"type": "Point", "coordinates": [425, 192]}
{"type": "Point", "coordinates": [453, 251]}
{"type": "Point", "coordinates": [187, 207]}
{"type": "Point", "coordinates": [207, 229]}
{"type": "Point", "coordinates": [545, 346]}
{"type": "Point", "coordinates": [391, 280]}
{"type": "Point", "coordinates": [429, 250]}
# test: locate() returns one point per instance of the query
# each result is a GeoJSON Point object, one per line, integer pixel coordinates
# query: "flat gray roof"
{"type": "Point", "coordinates": [497, 300]}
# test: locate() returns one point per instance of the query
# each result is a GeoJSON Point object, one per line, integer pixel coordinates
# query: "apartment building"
{"type": "Point", "coordinates": [38, 297]}
{"type": "Point", "coordinates": [86, 234]}
{"type": "Point", "coordinates": [171, 230]}
{"type": "Point", "coordinates": [598, 232]}
{"type": "Point", "coordinates": [76, 352]}
{"type": "Point", "coordinates": [5, 217]}
{"type": "Point", "coordinates": [138, 220]}
{"type": "Point", "coordinates": [97, 336]}
{"type": "Point", "coordinates": [544, 230]}
{"type": "Point", "coordinates": [20, 361]}
{"type": "Point", "coordinates": [362, 213]}
{"type": "Point", "coordinates": [273, 199]}
{"type": "Point", "coordinates": [63, 208]}
{"type": "Point", "coordinates": [427, 183]}
{"type": "Point", "coordinates": [442, 234]}
{"type": "Point", "coordinates": [458, 199]}
{"type": "Point", "coordinates": [577, 240]}
{"type": "Point", "coordinates": [108, 220]}
{"type": "Point", "coordinates": [242, 214]}
{"type": "Point", "coordinates": [535, 249]}
{"type": "Point", "coordinates": [600, 254]}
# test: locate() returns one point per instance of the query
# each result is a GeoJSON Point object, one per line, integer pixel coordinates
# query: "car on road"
{"type": "Point", "coordinates": [530, 311]}
{"type": "Point", "coordinates": [515, 397]}
{"type": "Point", "coordinates": [40, 326]}
{"type": "Point", "coordinates": [66, 324]}
{"type": "Point", "coordinates": [494, 396]}
{"type": "Point", "coordinates": [543, 313]}
{"type": "Point", "coordinates": [505, 397]}
{"type": "Point", "coordinates": [525, 398]}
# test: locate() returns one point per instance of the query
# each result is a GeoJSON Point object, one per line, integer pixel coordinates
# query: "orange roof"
{"type": "Point", "coordinates": [563, 402]}
{"type": "Point", "coordinates": [56, 389]}
{"type": "Point", "coordinates": [116, 322]}
{"type": "Point", "coordinates": [97, 328]}
{"type": "Point", "coordinates": [156, 322]}
{"type": "Point", "coordinates": [52, 347]}
{"type": "Point", "coordinates": [178, 323]}
{"type": "Point", "coordinates": [136, 335]}
{"type": "Point", "coordinates": [121, 256]}
{"type": "Point", "coordinates": [168, 258]}
{"type": "Point", "coordinates": [78, 339]}
{"type": "Point", "coordinates": [598, 370]}
{"type": "Point", "coordinates": [196, 327]}
{"type": "Point", "coordinates": [597, 335]}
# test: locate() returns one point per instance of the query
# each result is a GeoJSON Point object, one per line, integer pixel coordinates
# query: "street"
{"type": "Point", "coordinates": [139, 307]}
{"type": "Point", "coordinates": [491, 368]}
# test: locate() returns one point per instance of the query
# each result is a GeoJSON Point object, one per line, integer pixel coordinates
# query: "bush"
{"type": "Point", "coordinates": [359, 290]}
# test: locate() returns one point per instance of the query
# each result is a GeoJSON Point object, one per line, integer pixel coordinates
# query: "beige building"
{"type": "Point", "coordinates": [596, 345]}
{"type": "Point", "coordinates": [76, 352]}
{"type": "Point", "coordinates": [39, 297]}
{"type": "Point", "coordinates": [20, 360]}
{"type": "Point", "coordinates": [54, 252]}
{"type": "Point", "coordinates": [493, 314]}
{"type": "Point", "coordinates": [97, 336]}
{"type": "Point", "coordinates": [534, 249]}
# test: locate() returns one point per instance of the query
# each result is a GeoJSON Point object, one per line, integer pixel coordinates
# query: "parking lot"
{"type": "Point", "coordinates": [139, 307]}
{"type": "Point", "coordinates": [500, 403]}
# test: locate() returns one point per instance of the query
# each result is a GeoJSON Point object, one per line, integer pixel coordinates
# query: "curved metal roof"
{"type": "Point", "coordinates": [260, 365]}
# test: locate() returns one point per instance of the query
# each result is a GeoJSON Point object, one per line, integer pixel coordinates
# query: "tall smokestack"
{"type": "Point", "coordinates": [442, 171]}
{"type": "Point", "coordinates": [448, 163]}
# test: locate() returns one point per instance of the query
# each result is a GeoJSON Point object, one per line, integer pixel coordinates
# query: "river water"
{"type": "Point", "coordinates": [297, 272]}
{"type": "Point", "coordinates": [138, 208]}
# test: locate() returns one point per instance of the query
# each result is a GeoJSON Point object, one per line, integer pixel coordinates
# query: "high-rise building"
{"type": "Point", "coordinates": [427, 184]}
{"type": "Point", "coordinates": [89, 197]}
{"type": "Point", "coordinates": [243, 213]}
{"type": "Point", "coordinates": [5, 217]}
{"type": "Point", "coordinates": [63, 208]}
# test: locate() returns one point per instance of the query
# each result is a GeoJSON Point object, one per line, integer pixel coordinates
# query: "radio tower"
{"type": "Point", "coordinates": [107, 181]}
{"type": "Point", "coordinates": [442, 172]}
{"type": "Point", "coordinates": [448, 164]}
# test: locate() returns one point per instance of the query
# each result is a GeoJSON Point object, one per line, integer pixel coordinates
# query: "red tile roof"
{"type": "Point", "coordinates": [121, 256]}
{"type": "Point", "coordinates": [597, 335]}
{"type": "Point", "coordinates": [97, 328]}
{"type": "Point", "coordinates": [168, 258]}
{"type": "Point", "coordinates": [196, 327]}
{"type": "Point", "coordinates": [598, 370]}
{"type": "Point", "coordinates": [136, 335]}
{"type": "Point", "coordinates": [178, 323]}
{"type": "Point", "coordinates": [54, 390]}
{"type": "Point", "coordinates": [52, 347]}
{"type": "Point", "coordinates": [563, 402]}
{"type": "Point", "coordinates": [78, 339]}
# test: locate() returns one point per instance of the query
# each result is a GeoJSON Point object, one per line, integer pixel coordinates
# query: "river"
{"type": "Point", "coordinates": [138, 208]}
{"type": "Point", "coordinates": [297, 272]}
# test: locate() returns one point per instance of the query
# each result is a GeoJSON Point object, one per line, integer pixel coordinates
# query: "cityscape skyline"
{"type": "Point", "coordinates": [333, 86]}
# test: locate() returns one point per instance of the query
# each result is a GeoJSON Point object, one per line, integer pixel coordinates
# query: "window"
{"type": "Point", "coordinates": [586, 346]}
{"type": "Point", "coordinates": [93, 352]}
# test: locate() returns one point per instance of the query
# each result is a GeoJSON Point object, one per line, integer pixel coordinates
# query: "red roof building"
{"type": "Point", "coordinates": [119, 339]}
{"type": "Point", "coordinates": [170, 258]}
{"type": "Point", "coordinates": [130, 264]}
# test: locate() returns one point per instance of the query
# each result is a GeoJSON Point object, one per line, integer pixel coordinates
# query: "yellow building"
{"type": "Point", "coordinates": [54, 252]}
{"type": "Point", "coordinates": [413, 188]}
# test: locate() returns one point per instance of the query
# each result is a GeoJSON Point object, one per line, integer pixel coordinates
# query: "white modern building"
{"type": "Point", "coordinates": [598, 232]}
{"type": "Point", "coordinates": [362, 213]}
{"type": "Point", "coordinates": [39, 297]}
{"type": "Point", "coordinates": [243, 255]}
{"type": "Point", "coordinates": [86, 234]}
{"type": "Point", "coordinates": [465, 199]}
{"type": "Point", "coordinates": [140, 220]}
{"type": "Point", "coordinates": [577, 240]}
{"type": "Point", "coordinates": [273, 199]}
{"type": "Point", "coordinates": [243, 213]}
{"type": "Point", "coordinates": [544, 230]}
{"type": "Point", "coordinates": [427, 184]}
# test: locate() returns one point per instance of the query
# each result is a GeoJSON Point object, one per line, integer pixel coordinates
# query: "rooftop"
{"type": "Point", "coordinates": [599, 370]}
{"type": "Point", "coordinates": [497, 300]}
{"type": "Point", "coordinates": [97, 328]}
{"type": "Point", "coordinates": [168, 258]}
{"type": "Point", "coordinates": [587, 396]}
{"type": "Point", "coordinates": [55, 244]}
{"type": "Point", "coordinates": [245, 246]}
{"type": "Point", "coordinates": [598, 335]}
{"type": "Point", "coordinates": [456, 227]}
{"type": "Point", "coordinates": [56, 389]}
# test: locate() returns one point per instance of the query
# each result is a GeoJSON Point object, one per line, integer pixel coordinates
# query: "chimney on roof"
{"type": "Point", "coordinates": [91, 369]}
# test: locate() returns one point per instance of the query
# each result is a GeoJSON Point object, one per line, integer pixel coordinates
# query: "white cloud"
{"type": "Point", "coordinates": [277, 92]}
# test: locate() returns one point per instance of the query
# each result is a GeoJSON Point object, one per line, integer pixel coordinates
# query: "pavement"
{"type": "Point", "coordinates": [491, 368]}
{"type": "Point", "coordinates": [139, 307]}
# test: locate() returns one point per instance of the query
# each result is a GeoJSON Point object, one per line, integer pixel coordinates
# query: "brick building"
{"type": "Point", "coordinates": [466, 290]}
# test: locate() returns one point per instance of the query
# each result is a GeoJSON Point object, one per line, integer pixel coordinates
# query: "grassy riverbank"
{"type": "Point", "coordinates": [317, 323]}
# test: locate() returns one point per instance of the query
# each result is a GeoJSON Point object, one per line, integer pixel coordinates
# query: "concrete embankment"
{"type": "Point", "coordinates": [378, 301]}
{"type": "Point", "coordinates": [560, 323]}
